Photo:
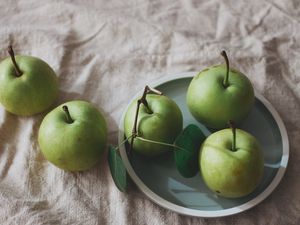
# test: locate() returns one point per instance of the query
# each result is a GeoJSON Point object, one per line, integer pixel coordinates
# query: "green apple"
{"type": "Point", "coordinates": [219, 94]}
{"type": "Point", "coordinates": [28, 85]}
{"type": "Point", "coordinates": [161, 121]}
{"type": "Point", "coordinates": [231, 168]}
{"type": "Point", "coordinates": [73, 136]}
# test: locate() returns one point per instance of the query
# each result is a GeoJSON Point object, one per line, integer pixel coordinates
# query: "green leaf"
{"type": "Point", "coordinates": [117, 168]}
{"type": "Point", "coordinates": [187, 151]}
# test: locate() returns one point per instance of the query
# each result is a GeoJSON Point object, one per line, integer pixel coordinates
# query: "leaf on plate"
{"type": "Point", "coordinates": [187, 155]}
{"type": "Point", "coordinates": [117, 168]}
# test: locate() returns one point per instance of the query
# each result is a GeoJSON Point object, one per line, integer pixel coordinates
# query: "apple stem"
{"type": "Point", "coordinates": [69, 118]}
{"type": "Point", "coordinates": [143, 101]}
{"type": "Point", "coordinates": [13, 59]}
{"type": "Point", "coordinates": [225, 81]}
{"type": "Point", "coordinates": [233, 128]}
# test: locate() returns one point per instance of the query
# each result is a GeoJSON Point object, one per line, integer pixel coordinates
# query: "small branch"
{"type": "Point", "coordinates": [134, 130]}
{"type": "Point", "coordinates": [126, 139]}
{"type": "Point", "coordinates": [12, 56]}
{"type": "Point", "coordinates": [143, 101]}
{"type": "Point", "coordinates": [161, 143]}
{"type": "Point", "coordinates": [155, 91]}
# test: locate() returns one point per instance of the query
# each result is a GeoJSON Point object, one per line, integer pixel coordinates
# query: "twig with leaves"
{"type": "Point", "coordinates": [186, 147]}
{"type": "Point", "coordinates": [143, 101]}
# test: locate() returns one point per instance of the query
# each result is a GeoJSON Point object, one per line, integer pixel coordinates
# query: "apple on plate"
{"type": "Point", "coordinates": [231, 162]}
{"type": "Point", "coordinates": [73, 136]}
{"type": "Point", "coordinates": [28, 85]}
{"type": "Point", "coordinates": [219, 94]}
{"type": "Point", "coordinates": [159, 120]}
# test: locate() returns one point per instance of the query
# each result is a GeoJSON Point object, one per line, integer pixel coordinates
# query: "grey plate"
{"type": "Point", "coordinates": [159, 180]}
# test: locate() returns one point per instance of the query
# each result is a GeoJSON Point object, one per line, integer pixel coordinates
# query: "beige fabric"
{"type": "Point", "coordinates": [104, 52]}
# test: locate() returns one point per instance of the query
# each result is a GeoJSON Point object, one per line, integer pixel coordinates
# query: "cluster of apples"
{"type": "Point", "coordinates": [73, 135]}
{"type": "Point", "coordinates": [230, 160]}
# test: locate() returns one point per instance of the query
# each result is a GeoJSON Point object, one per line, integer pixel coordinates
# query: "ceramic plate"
{"type": "Point", "coordinates": [159, 180]}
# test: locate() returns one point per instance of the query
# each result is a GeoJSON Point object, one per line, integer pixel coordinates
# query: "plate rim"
{"type": "Point", "coordinates": [202, 213]}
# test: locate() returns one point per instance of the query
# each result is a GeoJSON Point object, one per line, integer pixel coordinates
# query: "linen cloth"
{"type": "Point", "coordinates": [106, 51]}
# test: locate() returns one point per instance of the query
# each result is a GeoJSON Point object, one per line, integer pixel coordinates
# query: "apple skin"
{"type": "Point", "coordinates": [228, 173]}
{"type": "Point", "coordinates": [163, 125]}
{"type": "Point", "coordinates": [73, 146]}
{"type": "Point", "coordinates": [33, 92]}
{"type": "Point", "coordinates": [214, 105]}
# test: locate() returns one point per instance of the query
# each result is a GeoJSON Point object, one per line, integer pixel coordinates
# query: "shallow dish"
{"type": "Point", "coordinates": [160, 181]}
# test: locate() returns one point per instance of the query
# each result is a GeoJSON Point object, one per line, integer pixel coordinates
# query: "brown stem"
{"type": "Point", "coordinates": [69, 118]}
{"type": "Point", "coordinates": [134, 130]}
{"type": "Point", "coordinates": [155, 91]}
{"type": "Point", "coordinates": [12, 56]}
{"type": "Point", "coordinates": [225, 81]}
{"type": "Point", "coordinates": [143, 101]}
{"type": "Point", "coordinates": [233, 128]}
